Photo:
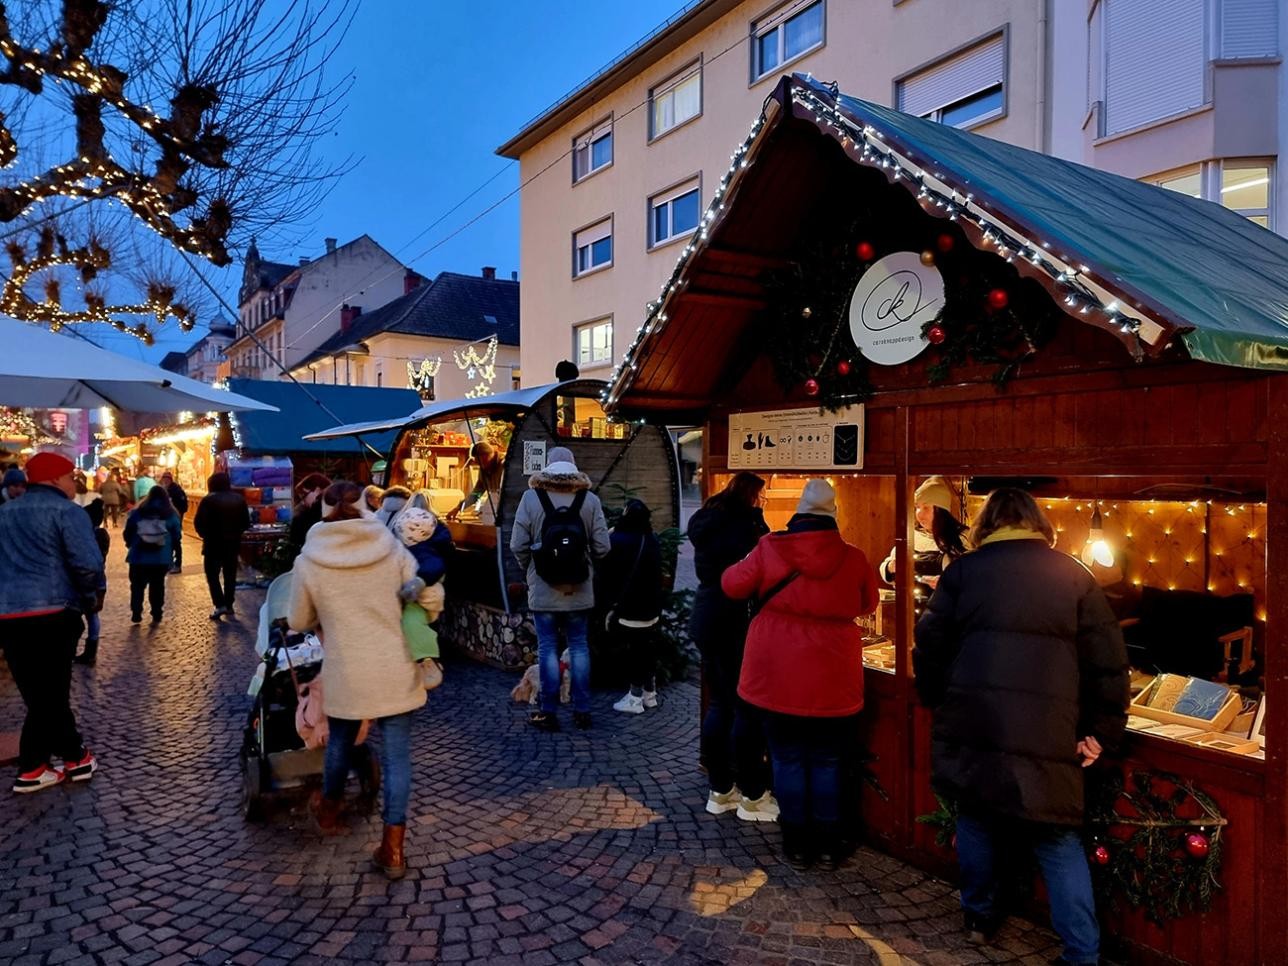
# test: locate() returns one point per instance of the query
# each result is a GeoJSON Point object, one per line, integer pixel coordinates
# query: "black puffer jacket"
{"type": "Point", "coordinates": [721, 536]}
{"type": "Point", "coordinates": [1020, 657]}
{"type": "Point", "coordinates": [629, 579]}
{"type": "Point", "coordinates": [222, 518]}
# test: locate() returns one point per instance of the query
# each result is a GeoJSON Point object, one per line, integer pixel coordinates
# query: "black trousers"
{"type": "Point", "coordinates": [178, 547]}
{"type": "Point", "coordinates": [39, 651]}
{"type": "Point", "coordinates": [221, 565]}
{"type": "Point", "coordinates": [733, 736]}
{"type": "Point", "coordinates": [639, 649]}
{"type": "Point", "coordinates": [149, 577]}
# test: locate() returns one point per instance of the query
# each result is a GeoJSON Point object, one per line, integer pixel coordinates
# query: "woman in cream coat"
{"type": "Point", "coordinates": [351, 579]}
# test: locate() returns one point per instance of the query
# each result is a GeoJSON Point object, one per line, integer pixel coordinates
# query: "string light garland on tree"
{"type": "Point", "coordinates": [21, 424]}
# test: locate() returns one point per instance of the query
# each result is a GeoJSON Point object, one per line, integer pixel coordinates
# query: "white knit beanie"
{"type": "Point", "coordinates": [818, 498]}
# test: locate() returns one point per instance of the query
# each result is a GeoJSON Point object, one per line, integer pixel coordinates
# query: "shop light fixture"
{"type": "Point", "coordinates": [182, 436]}
{"type": "Point", "coordinates": [1097, 549]}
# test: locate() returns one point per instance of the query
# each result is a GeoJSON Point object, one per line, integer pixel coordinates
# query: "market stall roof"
{"type": "Point", "coordinates": [40, 369]}
{"type": "Point", "coordinates": [507, 403]}
{"type": "Point", "coordinates": [285, 430]}
{"type": "Point", "coordinates": [1151, 265]}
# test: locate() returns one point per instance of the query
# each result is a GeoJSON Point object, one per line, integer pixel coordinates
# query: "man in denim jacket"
{"type": "Point", "coordinates": [53, 572]}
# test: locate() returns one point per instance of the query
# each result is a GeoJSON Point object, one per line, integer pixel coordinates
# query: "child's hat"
{"type": "Point", "coordinates": [414, 525]}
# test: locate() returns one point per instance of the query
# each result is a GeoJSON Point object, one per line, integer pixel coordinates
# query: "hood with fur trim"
{"type": "Point", "coordinates": [346, 544]}
{"type": "Point", "coordinates": [560, 478]}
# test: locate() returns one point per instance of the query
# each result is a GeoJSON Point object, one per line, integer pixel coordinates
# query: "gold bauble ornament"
{"type": "Point", "coordinates": [927, 257]}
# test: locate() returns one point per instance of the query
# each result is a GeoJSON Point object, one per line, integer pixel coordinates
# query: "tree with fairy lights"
{"type": "Point", "coordinates": [135, 135]}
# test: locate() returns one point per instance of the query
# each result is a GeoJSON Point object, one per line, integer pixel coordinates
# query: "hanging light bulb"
{"type": "Point", "coordinates": [1097, 549]}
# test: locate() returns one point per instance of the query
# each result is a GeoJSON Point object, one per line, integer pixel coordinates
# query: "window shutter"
{"type": "Point", "coordinates": [1151, 73]}
{"type": "Point", "coordinates": [968, 73]}
{"type": "Point", "coordinates": [1249, 28]}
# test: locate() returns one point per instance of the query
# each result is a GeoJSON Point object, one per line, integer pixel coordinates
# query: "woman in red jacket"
{"type": "Point", "coordinates": [804, 664]}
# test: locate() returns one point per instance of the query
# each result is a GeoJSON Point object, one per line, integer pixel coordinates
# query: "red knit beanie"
{"type": "Point", "coordinates": [47, 467]}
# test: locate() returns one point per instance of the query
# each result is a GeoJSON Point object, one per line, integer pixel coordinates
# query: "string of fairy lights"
{"type": "Point", "coordinates": [1081, 292]}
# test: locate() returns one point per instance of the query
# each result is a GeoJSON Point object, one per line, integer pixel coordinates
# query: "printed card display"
{"type": "Point", "coordinates": [797, 439]}
{"type": "Point", "coordinates": [534, 456]}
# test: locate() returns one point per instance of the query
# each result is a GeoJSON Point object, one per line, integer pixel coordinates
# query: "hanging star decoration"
{"type": "Point", "coordinates": [480, 365]}
{"type": "Point", "coordinates": [421, 377]}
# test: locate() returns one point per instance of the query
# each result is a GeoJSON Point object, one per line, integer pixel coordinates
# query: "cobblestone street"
{"type": "Point", "coordinates": [524, 847]}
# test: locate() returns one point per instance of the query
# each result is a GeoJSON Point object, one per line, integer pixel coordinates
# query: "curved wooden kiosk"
{"type": "Point", "coordinates": [1116, 349]}
{"type": "Point", "coordinates": [486, 613]}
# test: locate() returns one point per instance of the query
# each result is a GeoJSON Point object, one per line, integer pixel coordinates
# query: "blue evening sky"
{"type": "Point", "coordinates": [439, 85]}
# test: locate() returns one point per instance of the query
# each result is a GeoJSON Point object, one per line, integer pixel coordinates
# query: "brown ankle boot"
{"type": "Point", "coordinates": [389, 857]}
{"type": "Point", "coordinates": [326, 815]}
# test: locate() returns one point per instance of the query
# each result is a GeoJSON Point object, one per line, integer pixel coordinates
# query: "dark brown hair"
{"type": "Point", "coordinates": [219, 483]}
{"type": "Point", "coordinates": [342, 497]}
{"type": "Point", "coordinates": [743, 490]}
{"type": "Point", "coordinates": [1009, 507]}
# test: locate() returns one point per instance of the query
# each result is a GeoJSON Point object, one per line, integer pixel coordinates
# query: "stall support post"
{"type": "Point", "coordinates": [1274, 868]}
{"type": "Point", "coordinates": [904, 622]}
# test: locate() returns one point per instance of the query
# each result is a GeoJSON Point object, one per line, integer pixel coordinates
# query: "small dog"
{"type": "Point", "coordinates": [529, 687]}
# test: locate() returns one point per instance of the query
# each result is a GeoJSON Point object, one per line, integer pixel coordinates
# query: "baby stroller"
{"type": "Point", "coordinates": [273, 757]}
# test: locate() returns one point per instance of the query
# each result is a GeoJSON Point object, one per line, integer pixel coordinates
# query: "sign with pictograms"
{"type": "Point", "coordinates": [797, 439]}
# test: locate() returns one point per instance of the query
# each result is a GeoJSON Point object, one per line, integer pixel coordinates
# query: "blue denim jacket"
{"type": "Point", "coordinates": [48, 555]}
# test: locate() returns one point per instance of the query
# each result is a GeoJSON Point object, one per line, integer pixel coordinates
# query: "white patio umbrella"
{"type": "Point", "coordinates": [42, 370]}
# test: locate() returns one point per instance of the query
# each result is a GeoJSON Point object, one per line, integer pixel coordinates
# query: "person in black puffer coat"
{"type": "Point", "coordinates": [222, 518]}
{"type": "Point", "coordinates": [629, 588]}
{"type": "Point", "coordinates": [725, 530]}
{"type": "Point", "coordinates": [1023, 664]}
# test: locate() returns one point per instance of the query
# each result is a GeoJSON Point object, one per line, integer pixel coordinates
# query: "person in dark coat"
{"type": "Point", "coordinates": [178, 500]}
{"type": "Point", "coordinates": [1022, 662]}
{"type": "Point", "coordinates": [723, 531]}
{"type": "Point", "coordinates": [152, 532]}
{"type": "Point", "coordinates": [222, 517]}
{"type": "Point", "coordinates": [803, 666]}
{"type": "Point", "coordinates": [13, 486]}
{"type": "Point", "coordinates": [308, 512]}
{"type": "Point", "coordinates": [630, 591]}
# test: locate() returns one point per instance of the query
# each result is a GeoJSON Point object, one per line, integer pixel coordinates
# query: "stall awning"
{"type": "Point", "coordinates": [286, 431]}
{"type": "Point", "coordinates": [506, 403]}
{"type": "Point", "coordinates": [1152, 266]}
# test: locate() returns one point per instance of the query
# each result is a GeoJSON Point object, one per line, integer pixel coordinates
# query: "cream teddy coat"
{"type": "Point", "coordinates": [346, 582]}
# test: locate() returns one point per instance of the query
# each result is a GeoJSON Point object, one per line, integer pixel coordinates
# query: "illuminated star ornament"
{"type": "Point", "coordinates": [478, 365]}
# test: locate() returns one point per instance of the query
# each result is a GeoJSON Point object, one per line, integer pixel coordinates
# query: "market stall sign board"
{"type": "Point", "coordinates": [797, 439]}
{"type": "Point", "coordinates": [892, 303]}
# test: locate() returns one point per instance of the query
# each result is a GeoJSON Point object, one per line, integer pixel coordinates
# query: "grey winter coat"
{"type": "Point", "coordinates": [526, 536]}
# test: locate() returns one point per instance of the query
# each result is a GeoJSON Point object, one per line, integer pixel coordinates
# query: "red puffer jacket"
{"type": "Point", "coordinates": [803, 654]}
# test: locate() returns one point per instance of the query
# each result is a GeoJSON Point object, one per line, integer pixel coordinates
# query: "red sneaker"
{"type": "Point", "coordinates": [36, 779]}
{"type": "Point", "coordinates": [83, 770]}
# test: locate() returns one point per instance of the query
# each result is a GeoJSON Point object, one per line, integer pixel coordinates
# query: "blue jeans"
{"type": "Point", "coordinates": [1063, 862]}
{"type": "Point", "coordinates": [93, 624]}
{"type": "Point", "coordinates": [573, 623]}
{"type": "Point", "coordinates": [806, 755]}
{"type": "Point", "coordinates": [395, 762]}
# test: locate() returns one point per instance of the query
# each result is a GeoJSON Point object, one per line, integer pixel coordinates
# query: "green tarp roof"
{"type": "Point", "coordinates": [1201, 264]}
{"type": "Point", "coordinates": [283, 432]}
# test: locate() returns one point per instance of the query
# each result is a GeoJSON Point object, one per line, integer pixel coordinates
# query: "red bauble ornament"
{"type": "Point", "coordinates": [1196, 843]}
{"type": "Point", "coordinates": [936, 335]}
{"type": "Point", "coordinates": [1100, 855]}
{"type": "Point", "coordinates": [843, 367]}
{"type": "Point", "coordinates": [811, 387]}
{"type": "Point", "coordinates": [865, 251]}
{"type": "Point", "coordinates": [945, 242]}
{"type": "Point", "coordinates": [998, 299]}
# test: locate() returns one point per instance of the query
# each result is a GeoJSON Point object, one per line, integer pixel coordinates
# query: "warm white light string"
{"type": "Point", "coordinates": [1081, 293]}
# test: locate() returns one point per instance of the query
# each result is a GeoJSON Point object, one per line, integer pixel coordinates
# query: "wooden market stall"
{"type": "Point", "coordinates": [486, 614]}
{"type": "Point", "coordinates": [877, 298]}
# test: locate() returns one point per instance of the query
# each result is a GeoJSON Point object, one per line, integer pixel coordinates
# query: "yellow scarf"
{"type": "Point", "coordinates": [1012, 533]}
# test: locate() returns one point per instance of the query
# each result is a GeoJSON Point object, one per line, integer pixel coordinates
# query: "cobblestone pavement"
{"type": "Point", "coordinates": [524, 847]}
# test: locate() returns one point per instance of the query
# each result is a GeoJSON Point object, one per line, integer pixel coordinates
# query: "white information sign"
{"type": "Point", "coordinates": [534, 456]}
{"type": "Point", "coordinates": [893, 301]}
{"type": "Point", "coordinates": [797, 439]}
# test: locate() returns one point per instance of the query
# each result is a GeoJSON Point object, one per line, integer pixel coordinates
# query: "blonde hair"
{"type": "Point", "coordinates": [1009, 507]}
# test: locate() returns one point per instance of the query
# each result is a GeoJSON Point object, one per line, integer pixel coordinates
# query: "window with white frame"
{"type": "Point", "coordinates": [962, 90]}
{"type": "Point", "coordinates": [675, 100]}
{"type": "Point", "coordinates": [1249, 29]}
{"type": "Point", "coordinates": [674, 213]}
{"type": "Point", "coordinates": [1242, 185]}
{"type": "Point", "coordinates": [592, 150]}
{"type": "Point", "coordinates": [592, 247]}
{"type": "Point", "coordinates": [594, 343]}
{"type": "Point", "coordinates": [1155, 60]}
{"type": "Point", "coordinates": [789, 32]}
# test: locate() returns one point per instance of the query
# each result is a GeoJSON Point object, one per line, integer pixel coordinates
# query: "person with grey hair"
{"type": "Point", "coordinates": [559, 527]}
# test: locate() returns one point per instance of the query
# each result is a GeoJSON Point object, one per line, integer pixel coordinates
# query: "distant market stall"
{"type": "Point", "coordinates": [877, 298]}
{"type": "Point", "coordinates": [486, 609]}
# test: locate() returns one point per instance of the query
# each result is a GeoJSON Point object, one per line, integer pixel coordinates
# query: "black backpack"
{"type": "Point", "coordinates": [562, 557]}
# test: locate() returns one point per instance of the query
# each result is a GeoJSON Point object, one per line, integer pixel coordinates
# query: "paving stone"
{"type": "Point", "coordinates": [524, 847]}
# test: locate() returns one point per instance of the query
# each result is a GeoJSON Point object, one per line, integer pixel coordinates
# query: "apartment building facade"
{"type": "Point", "coordinates": [1188, 93]}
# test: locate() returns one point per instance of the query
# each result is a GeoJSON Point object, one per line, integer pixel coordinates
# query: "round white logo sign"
{"type": "Point", "coordinates": [894, 299]}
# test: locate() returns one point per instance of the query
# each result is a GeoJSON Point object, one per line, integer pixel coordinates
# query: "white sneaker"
{"type": "Point", "coordinates": [720, 802]}
{"type": "Point", "coordinates": [650, 699]}
{"type": "Point", "coordinates": [762, 809]}
{"type": "Point", "coordinates": [630, 704]}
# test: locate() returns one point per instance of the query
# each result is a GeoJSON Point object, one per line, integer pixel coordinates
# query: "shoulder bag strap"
{"type": "Point", "coordinates": [775, 590]}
